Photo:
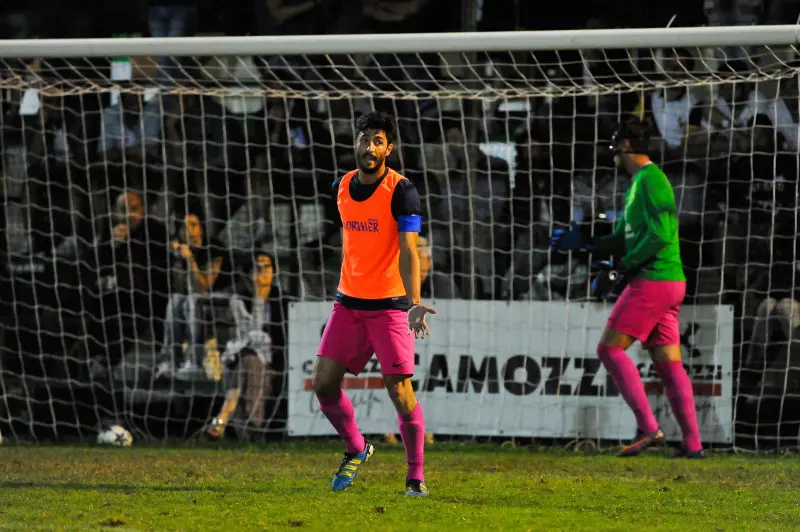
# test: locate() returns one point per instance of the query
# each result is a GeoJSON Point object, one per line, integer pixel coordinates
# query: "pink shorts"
{"type": "Point", "coordinates": [351, 337]}
{"type": "Point", "coordinates": [648, 311]}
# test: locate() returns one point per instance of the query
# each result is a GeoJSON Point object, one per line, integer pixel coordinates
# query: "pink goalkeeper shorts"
{"type": "Point", "coordinates": [351, 337]}
{"type": "Point", "coordinates": [648, 311]}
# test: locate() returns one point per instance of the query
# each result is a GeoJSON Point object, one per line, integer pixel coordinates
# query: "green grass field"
{"type": "Point", "coordinates": [473, 487]}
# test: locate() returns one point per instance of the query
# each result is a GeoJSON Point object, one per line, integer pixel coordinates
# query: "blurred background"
{"type": "Point", "coordinates": [160, 213]}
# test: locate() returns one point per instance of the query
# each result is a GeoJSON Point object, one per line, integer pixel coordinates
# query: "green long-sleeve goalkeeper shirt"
{"type": "Point", "coordinates": [646, 235]}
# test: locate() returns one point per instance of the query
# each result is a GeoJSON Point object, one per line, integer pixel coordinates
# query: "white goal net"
{"type": "Point", "coordinates": [170, 248]}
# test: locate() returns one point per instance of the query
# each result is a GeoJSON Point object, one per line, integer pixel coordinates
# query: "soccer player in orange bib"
{"type": "Point", "coordinates": [377, 308]}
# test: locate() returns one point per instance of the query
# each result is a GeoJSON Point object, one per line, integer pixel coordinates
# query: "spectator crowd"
{"type": "Point", "coordinates": [181, 224]}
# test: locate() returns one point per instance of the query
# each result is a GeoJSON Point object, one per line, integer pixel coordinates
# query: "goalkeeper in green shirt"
{"type": "Point", "coordinates": [646, 237]}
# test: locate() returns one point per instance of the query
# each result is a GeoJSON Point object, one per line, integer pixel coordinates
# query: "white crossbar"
{"type": "Point", "coordinates": [407, 43]}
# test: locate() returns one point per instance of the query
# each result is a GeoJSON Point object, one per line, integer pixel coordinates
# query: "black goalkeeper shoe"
{"type": "Point", "coordinates": [691, 455]}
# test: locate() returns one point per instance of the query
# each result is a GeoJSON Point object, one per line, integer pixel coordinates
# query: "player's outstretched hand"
{"type": "Point", "coordinates": [608, 275]}
{"type": "Point", "coordinates": [568, 239]}
{"type": "Point", "coordinates": [416, 320]}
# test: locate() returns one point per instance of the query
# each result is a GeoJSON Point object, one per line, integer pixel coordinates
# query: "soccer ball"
{"type": "Point", "coordinates": [116, 436]}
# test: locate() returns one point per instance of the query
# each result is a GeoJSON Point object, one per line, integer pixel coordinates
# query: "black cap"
{"type": "Point", "coordinates": [636, 132]}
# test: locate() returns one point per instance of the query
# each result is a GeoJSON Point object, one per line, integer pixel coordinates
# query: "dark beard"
{"type": "Point", "coordinates": [362, 169]}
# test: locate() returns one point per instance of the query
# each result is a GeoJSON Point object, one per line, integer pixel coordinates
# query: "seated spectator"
{"type": "Point", "coordinates": [541, 196]}
{"type": "Point", "coordinates": [758, 189]}
{"type": "Point", "coordinates": [441, 155]}
{"type": "Point", "coordinates": [475, 211]}
{"type": "Point", "coordinates": [284, 17]}
{"type": "Point", "coordinates": [171, 18]}
{"type": "Point", "coordinates": [678, 111]}
{"type": "Point", "coordinates": [752, 184]}
{"type": "Point", "coordinates": [396, 16]}
{"type": "Point", "coordinates": [672, 109]}
{"type": "Point", "coordinates": [131, 129]}
{"type": "Point", "coordinates": [130, 268]}
{"type": "Point", "coordinates": [248, 358]}
{"type": "Point", "coordinates": [299, 17]}
{"type": "Point", "coordinates": [213, 277]}
{"type": "Point", "coordinates": [762, 179]}
{"type": "Point", "coordinates": [733, 13]}
{"type": "Point", "coordinates": [64, 129]}
{"type": "Point", "coordinates": [405, 72]}
{"type": "Point", "coordinates": [208, 147]}
{"type": "Point", "coordinates": [776, 322]}
{"type": "Point", "coordinates": [436, 284]}
{"type": "Point", "coordinates": [775, 110]}
{"type": "Point", "coordinates": [54, 190]}
{"type": "Point", "coordinates": [20, 20]}
{"type": "Point", "coordinates": [605, 68]}
{"type": "Point", "coordinates": [321, 263]}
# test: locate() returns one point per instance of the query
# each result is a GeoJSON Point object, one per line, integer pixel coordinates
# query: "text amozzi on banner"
{"type": "Point", "coordinates": [520, 369]}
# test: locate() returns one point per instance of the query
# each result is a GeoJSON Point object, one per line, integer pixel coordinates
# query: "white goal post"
{"type": "Point", "coordinates": [114, 315]}
{"type": "Point", "coordinates": [610, 39]}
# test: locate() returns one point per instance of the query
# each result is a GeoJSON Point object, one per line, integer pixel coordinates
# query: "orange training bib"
{"type": "Point", "coordinates": [370, 241]}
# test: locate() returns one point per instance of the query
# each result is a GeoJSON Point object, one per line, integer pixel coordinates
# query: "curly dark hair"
{"type": "Point", "coordinates": [636, 132]}
{"type": "Point", "coordinates": [377, 121]}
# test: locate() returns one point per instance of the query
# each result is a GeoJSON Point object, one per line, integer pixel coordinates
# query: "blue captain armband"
{"type": "Point", "coordinates": [409, 223]}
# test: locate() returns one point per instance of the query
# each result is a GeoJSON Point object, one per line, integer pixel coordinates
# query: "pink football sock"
{"type": "Point", "coordinates": [681, 399]}
{"type": "Point", "coordinates": [412, 431]}
{"type": "Point", "coordinates": [339, 411]}
{"type": "Point", "coordinates": [625, 375]}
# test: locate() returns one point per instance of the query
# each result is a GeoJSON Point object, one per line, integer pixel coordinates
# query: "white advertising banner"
{"type": "Point", "coordinates": [520, 369]}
